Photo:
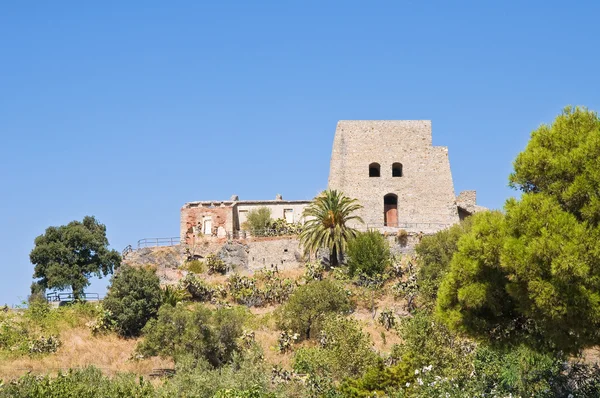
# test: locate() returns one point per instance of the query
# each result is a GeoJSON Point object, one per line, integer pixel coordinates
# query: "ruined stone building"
{"type": "Point", "coordinates": [390, 166]}
{"type": "Point", "coordinates": [395, 172]}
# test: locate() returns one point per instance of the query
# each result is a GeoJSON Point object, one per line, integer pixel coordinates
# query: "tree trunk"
{"type": "Point", "coordinates": [333, 258]}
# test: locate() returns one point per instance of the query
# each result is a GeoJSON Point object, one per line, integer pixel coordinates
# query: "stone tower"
{"type": "Point", "coordinates": [391, 167]}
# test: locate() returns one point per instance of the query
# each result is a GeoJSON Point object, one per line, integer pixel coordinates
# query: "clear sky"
{"type": "Point", "coordinates": [127, 110]}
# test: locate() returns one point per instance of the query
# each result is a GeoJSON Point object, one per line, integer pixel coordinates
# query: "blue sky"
{"type": "Point", "coordinates": [127, 110]}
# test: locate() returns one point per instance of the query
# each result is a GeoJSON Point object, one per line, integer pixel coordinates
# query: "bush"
{"type": "Point", "coordinates": [133, 298]}
{"type": "Point", "coordinates": [244, 290]}
{"type": "Point", "coordinates": [172, 295]}
{"type": "Point", "coordinates": [307, 307]}
{"type": "Point", "coordinates": [368, 253]}
{"type": "Point", "coordinates": [195, 266]}
{"type": "Point", "coordinates": [83, 383]}
{"type": "Point", "coordinates": [434, 254]}
{"type": "Point", "coordinates": [257, 221]}
{"type": "Point", "coordinates": [194, 332]}
{"type": "Point", "coordinates": [196, 288]}
{"type": "Point", "coordinates": [348, 348]}
{"type": "Point", "coordinates": [44, 345]}
{"type": "Point", "coordinates": [216, 265]}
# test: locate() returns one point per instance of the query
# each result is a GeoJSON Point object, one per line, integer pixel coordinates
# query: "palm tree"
{"type": "Point", "coordinates": [327, 217]}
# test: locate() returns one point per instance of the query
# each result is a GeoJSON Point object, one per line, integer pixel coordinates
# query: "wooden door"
{"type": "Point", "coordinates": [391, 215]}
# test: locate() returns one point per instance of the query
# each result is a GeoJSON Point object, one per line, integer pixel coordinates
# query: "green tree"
{"type": "Point", "coordinates": [326, 225]}
{"type": "Point", "coordinates": [132, 299]}
{"type": "Point", "coordinates": [305, 310]}
{"type": "Point", "coordinates": [434, 255]}
{"type": "Point", "coordinates": [257, 221]}
{"type": "Point", "coordinates": [533, 273]}
{"type": "Point", "coordinates": [195, 333]}
{"type": "Point", "coordinates": [67, 256]}
{"type": "Point", "coordinates": [368, 253]}
{"type": "Point", "coordinates": [561, 160]}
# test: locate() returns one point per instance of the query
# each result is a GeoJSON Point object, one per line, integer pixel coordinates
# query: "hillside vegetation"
{"type": "Point", "coordinates": [505, 304]}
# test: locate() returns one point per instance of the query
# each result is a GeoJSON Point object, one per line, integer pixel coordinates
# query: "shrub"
{"type": "Point", "coordinates": [197, 289]}
{"type": "Point", "coordinates": [216, 265]}
{"type": "Point", "coordinates": [133, 298]}
{"type": "Point", "coordinates": [314, 271]}
{"type": "Point", "coordinates": [285, 341]}
{"type": "Point", "coordinates": [257, 221]}
{"type": "Point", "coordinates": [195, 266]}
{"type": "Point", "coordinates": [274, 290]}
{"type": "Point", "coordinates": [348, 348]}
{"type": "Point", "coordinates": [244, 290]}
{"type": "Point", "coordinates": [193, 332]}
{"type": "Point", "coordinates": [368, 253]}
{"type": "Point", "coordinates": [82, 383]}
{"type": "Point", "coordinates": [306, 308]}
{"type": "Point", "coordinates": [434, 254]}
{"type": "Point", "coordinates": [245, 376]}
{"type": "Point", "coordinates": [387, 319]}
{"type": "Point", "coordinates": [44, 345]}
{"type": "Point", "coordinates": [172, 295]}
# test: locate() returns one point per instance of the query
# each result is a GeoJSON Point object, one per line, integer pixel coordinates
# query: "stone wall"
{"type": "Point", "coordinates": [277, 207]}
{"type": "Point", "coordinates": [244, 256]}
{"type": "Point", "coordinates": [425, 191]}
{"type": "Point", "coordinates": [194, 216]}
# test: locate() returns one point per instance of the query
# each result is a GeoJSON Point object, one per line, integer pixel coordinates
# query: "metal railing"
{"type": "Point", "coordinates": [54, 297]}
{"type": "Point", "coordinates": [412, 225]}
{"type": "Point", "coordinates": [126, 251]}
{"type": "Point", "coordinates": [261, 233]}
{"type": "Point", "coordinates": [154, 242]}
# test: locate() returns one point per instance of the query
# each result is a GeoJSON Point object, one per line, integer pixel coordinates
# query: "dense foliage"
{"type": "Point", "coordinates": [257, 221]}
{"type": "Point", "coordinates": [67, 256]}
{"type": "Point", "coordinates": [434, 253]}
{"type": "Point", "coordinates": [307, 307]}
{"type": "Point", "coordinates": [368, 254]}
{"type": "Point", "coordinates": [533, 272]}
{"type": "Point", "coordinates": [326, 226]}
{"type": "Point", "coordinates": [132, 299]}
{"type": "Point", "coordinates": [193, 332]}
{"type": "Point", "coordinates": [561, 161]}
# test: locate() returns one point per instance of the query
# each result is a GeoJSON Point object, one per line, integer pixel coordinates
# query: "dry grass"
{"type": "Point", "coordinates": [80, 349]}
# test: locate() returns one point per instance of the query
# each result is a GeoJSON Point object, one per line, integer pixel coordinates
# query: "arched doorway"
{"type": "Point", "coordinates": [390, 210]}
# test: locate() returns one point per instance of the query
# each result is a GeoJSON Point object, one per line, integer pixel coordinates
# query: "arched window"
{"type": "Point", "coordinates": [397, 170]}
{"type": "Point", "coordinates": [390, 210]}
{"type": "Point", "coordinates": [374, 170]}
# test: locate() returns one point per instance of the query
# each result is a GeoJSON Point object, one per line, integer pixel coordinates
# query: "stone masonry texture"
{"type": "Point", "coordinates": [425, 192]}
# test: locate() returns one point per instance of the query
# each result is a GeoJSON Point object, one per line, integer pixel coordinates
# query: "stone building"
{"type": "Point", "coordinates": [390, 166]}
{"type": "Point", "coordinates": [395, 172]}
{"type": "Point", "coordinates": [224, 218]}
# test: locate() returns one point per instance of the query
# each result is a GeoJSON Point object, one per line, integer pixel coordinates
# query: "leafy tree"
{"type": "Point", "coordinates": [307, 307]}
{"type": "Point", "coordinates": [132, 299]}
{"type": "Point", "coordinates": [434, 255]}
{"type": "Point", "coordinates": [258, 220]}
{"type": "Point", "coordinates": [194, 332]}
{"type": "Point", "coordinates": [67, 256]}
{"type": "Point", "coordinates": [533, 274]}
{"type": "Point", "coordinates": [368, 253]}
{"type": "Point", "coordinates": [326, 225]}
{"type": "Point", "coordinates": [561, 160]}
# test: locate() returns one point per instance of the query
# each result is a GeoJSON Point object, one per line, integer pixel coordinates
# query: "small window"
{"type": "Point", "coordinates": [397, 170]}
{"type": "Point", "coordinates": [374, 170]}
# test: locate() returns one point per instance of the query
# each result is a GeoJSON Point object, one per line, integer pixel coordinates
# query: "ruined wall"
{"type": "Point", "coordinates": [194, 216]}
{"type": "Point", "coordinates": [425, 190]}
{"type": "Point", "coordinates": [277, 208]}
{"type": "Point", "coordinates": [283, 253]}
